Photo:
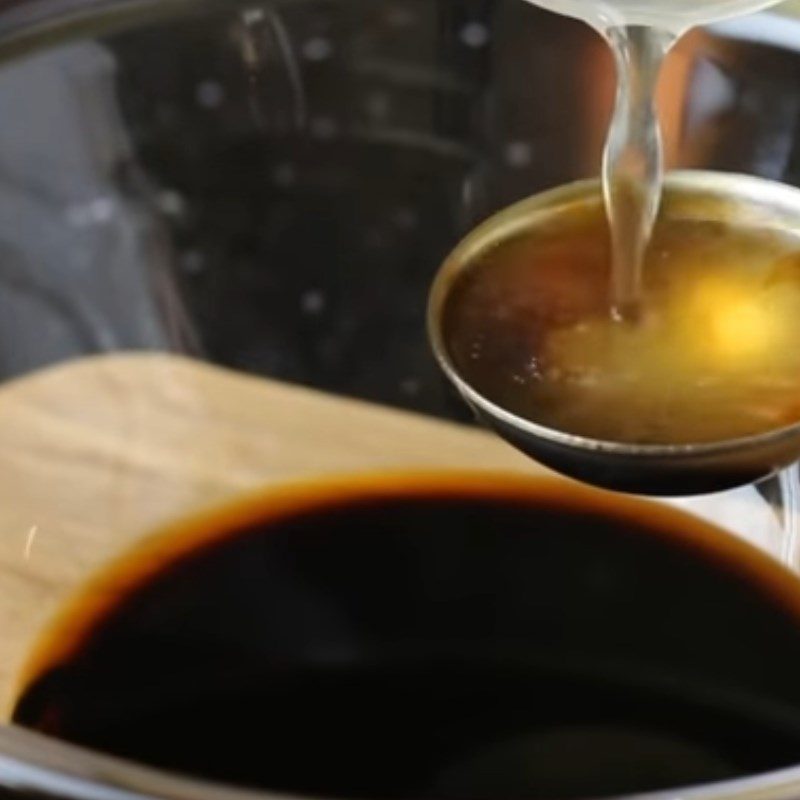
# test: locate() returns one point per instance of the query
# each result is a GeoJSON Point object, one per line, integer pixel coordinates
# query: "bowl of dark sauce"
{"type": "Point", "coordinates": [456, 636]}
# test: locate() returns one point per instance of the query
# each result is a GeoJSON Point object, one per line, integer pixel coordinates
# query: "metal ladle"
{"type": "Point", "coordinates": [666, 470]}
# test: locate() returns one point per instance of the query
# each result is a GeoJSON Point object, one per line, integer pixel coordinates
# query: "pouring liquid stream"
{"type": "Point", "coordinates": [640, 34]}
{"type": "Point", "coordinates": [633, 163]}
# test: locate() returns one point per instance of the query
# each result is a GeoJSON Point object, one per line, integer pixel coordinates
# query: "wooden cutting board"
{"type": "Point", "coordinates": [97, 453]}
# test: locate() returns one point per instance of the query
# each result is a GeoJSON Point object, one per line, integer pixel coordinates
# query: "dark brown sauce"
{"type": "Point", "coordinates": [442, 636]}
{"type": "Point", "coordinates": [714, 353]}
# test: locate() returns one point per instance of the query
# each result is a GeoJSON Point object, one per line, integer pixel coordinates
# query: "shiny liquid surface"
{"type": "Point", "coordinates": [488, 641]}
{"type": "Point", "coordinates": [714, 355]}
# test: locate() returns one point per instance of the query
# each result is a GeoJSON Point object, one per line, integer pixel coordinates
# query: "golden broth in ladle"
{"type": "Point", "coordinates": [714, 356]}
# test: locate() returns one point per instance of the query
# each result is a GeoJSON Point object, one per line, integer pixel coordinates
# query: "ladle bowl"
{"type": "Point", "coordinates": [664, 470]}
